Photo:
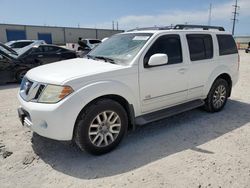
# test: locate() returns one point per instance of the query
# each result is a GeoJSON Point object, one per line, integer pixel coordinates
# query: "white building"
{"type": "Point", "coordinates": [51, 34]}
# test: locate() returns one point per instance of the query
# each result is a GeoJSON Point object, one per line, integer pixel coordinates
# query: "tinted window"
{"type": "Point", "coordinates": [51, 49]}
{"type": "Point", "coordinates": [37, 49]}
{"type": "Point", "coordinates": [20, 44]}
{"type": "Point", "coordinates": [168, 44]}
{"type": "Point", "coordinates": [94, 41]}
{"type": "Point", "coordinates": [200, 46]}
{"type": "Point", "coordinates": [226, 44]}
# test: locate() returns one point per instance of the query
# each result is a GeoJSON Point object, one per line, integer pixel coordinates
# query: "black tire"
{"type": "Point", "coordinates": [87, 118]}
{"type": "Point", "coordinates": [20, 74]}
{"type": "Point", "coordinates": [210, 101]}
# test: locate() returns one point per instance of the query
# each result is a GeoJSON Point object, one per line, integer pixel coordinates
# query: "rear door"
{"type": "Point", "coordinates": [49, 54]}
{"type": "Point", "coordinates": [202, 62]}
{"type": "Point", "coordinates": [66, 54]}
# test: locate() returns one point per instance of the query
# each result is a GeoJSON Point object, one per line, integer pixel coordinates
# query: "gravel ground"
{"type": "Point", "coordinates": [193, 149]}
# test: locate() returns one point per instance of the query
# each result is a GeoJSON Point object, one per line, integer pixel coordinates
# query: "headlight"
{"type": "Point", "coordinates": [54, 93]}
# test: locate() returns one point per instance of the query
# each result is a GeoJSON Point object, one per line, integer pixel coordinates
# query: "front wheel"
{"type": "Point", "coordinates": [101, 127]}
{"type": "Point", "coordinates": [217, 96]}
{"type": "Point", "coordinates": [20, 74]}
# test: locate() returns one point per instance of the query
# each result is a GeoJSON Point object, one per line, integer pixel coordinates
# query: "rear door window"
{"type": "Point", "coordinates": [200, 46]}
{"type": "Point", "coordinates": [51, 49]}
{"type": "Point", "coordinates": [226, 45]}
{"type": "Point", "coordinates": [37, 49]}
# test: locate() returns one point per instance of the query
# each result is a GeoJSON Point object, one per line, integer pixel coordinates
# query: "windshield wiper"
{"type": "Point", "coordinates": [90, 57]}
{"type": "Point", "coordinates": [106, 59]}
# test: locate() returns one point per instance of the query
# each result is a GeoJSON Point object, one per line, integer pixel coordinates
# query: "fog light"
{"type": "Point", "coordinates": [44, 125]}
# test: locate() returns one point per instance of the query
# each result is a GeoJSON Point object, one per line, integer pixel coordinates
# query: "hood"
{"type": "Point", "coordinates": [62, 71]}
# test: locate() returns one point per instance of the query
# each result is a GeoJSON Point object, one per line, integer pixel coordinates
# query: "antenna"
{"type": "Point", "coordinates": [210, 14]}
{"type": "Point", "coordinates": [235, 14]}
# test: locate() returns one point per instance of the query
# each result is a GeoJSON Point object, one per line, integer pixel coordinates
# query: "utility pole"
{"type": "Point", "coordinates": [235, 14]}
{"type": "Point", "coordinates": [210, 14]}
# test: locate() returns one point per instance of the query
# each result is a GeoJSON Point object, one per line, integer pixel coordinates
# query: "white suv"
{"type": "Point", "coordinates": [132, 78]}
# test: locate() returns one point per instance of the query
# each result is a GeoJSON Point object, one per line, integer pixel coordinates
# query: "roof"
{"type": "Point", "coordinates": [179, 28]}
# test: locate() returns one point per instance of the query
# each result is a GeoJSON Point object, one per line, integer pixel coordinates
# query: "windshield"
{"type": "Point", "coordinates": [121, 48]}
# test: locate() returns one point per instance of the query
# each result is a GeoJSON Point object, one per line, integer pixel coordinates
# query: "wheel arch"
{"type": "Point", "coordinates": [221, 71]}
{"type": "Point", "coordinates": [129, 108]}
{"type": "Point", "coordinates": [226, 76]}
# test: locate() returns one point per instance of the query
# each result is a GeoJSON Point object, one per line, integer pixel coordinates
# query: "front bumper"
{"type": "Point", "coordinates": [55, 121]}
{"type": "Point", "coordinates": [24, 117]}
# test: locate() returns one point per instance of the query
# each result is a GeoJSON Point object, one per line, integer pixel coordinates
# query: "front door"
{"type": "Point", "coordinates": [165, 85]}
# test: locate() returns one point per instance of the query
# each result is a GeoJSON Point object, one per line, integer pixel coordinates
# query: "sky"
{"type": "Point", "coordinates": [128, 13]}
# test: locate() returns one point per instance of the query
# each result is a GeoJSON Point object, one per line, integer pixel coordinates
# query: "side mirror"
{"type": "Point", "coordinates": [158, 59]}
{"type": "Point", "coordinates": [1, 57]}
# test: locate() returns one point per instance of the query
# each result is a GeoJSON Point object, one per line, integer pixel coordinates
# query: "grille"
{"type": "Point", "coordinates": [39, 91]}
{"type": "Point", "coordinates": [30, 90]}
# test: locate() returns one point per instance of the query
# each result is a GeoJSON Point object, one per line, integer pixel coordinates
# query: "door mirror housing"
{"type": "Point", "coordinates": [158, 59]}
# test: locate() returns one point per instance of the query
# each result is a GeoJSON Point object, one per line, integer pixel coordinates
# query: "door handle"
{"type": "Point", "coordinates": [182, 70]}
{"type": "Point", "coordinates": [40, 56]}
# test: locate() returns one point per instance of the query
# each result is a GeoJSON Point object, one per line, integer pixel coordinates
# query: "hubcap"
{"type": "Point", "coordinates": [219, 96]}
{"type": "Point", "coordinates": [104, 128]}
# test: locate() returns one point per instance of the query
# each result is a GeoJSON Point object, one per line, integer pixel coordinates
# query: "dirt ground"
{"type": "Point", "coordinates": [193, 149]}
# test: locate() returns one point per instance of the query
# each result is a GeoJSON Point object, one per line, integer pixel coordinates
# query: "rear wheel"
{"type": "Point", "coordinates": [217, 96]}
{"type": "Point", "coordinates": [101, 127]}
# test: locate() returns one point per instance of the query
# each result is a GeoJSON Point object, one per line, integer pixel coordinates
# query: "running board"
{"type": "Point", "coordinates": [161, 114]}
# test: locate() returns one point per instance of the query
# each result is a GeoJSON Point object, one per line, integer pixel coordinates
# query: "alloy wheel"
{"type": "Point", "coordinates": [104, 128]}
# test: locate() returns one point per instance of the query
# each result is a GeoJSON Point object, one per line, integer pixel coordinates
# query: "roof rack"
{"type": "Point", "coordinates": [152, 28]}
{"type": "Point", "coordinates": [180, 27]}
{"type": "Point", "coordinates": [204, 27]}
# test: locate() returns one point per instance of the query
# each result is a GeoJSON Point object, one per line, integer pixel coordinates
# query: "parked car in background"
{"type": "Point", "coordinates": [46, 53]}
{"type": "Point", "coordinates": [18, 44]}
{"type": "Point", "coordinates": [7, 49]}
{"type": "Point", "coordinates": [11, 68]}
{"type": "Point", "coordinates": [14, 65]}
